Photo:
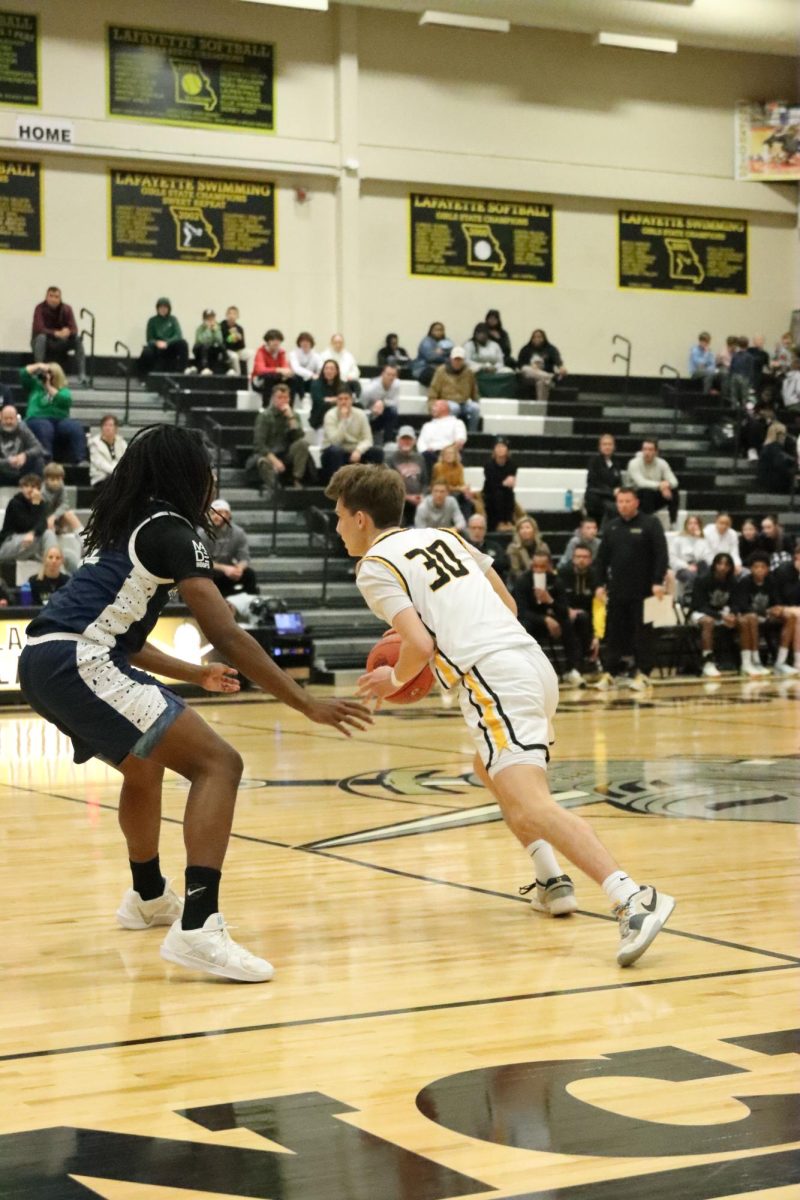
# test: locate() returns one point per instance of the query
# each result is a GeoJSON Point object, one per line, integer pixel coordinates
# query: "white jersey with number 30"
{"type": "Point", "coordinates": [442, 577]}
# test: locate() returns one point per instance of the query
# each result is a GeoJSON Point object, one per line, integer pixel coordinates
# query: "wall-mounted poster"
{"type": "Point", "coordinates": [187, 218]}
{"type": "Point", "coordinates": [190, 79]}
{"type": "Point", "coordinates": [678, 252]}
{"type": "Point", "coordinates": [19, 59]}
{"type": "Point", "coordinates": [20, 206]}
{"type": "Point", "coordinates": [767, 141]}
{"type": "Point", "coordinates": [466, 237]}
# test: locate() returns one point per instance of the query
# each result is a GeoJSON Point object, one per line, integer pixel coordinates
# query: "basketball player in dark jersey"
{"type": "Point", "coordinates": [85, 668]}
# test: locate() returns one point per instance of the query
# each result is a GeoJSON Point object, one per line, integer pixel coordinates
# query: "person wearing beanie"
{"type": "Point", "coordinates": [165, 348]}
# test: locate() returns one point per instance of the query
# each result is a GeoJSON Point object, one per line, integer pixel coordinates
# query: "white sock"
{"type": "Point", "coordinates": [545, 863]}
{"type": "Point", "coordinates": [783, 654]}
{"type": "Point", "coordinates": [747, 658]}
{"type": "Point", "coordinates": [619, 888]}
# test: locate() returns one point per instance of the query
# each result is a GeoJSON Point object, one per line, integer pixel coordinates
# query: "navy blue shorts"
{"type": "Point", "coordinates": [107, 707]}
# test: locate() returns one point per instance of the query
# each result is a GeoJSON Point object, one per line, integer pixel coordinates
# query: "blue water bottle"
{"type": "Point", "coordinates": [25, 593]}
{"type": "Point", "coordinates": [568, 500]}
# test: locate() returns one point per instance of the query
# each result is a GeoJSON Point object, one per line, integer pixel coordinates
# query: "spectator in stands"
{"type": "Point", "coordinates": [392, 354]}
{"type": "Point", "coordinates": [781, 361]}
{"type": "Point", "coordinates": [540, 362]}
{"type": "Point", "coordinates": [239, 357]}
{"type": "Point", "coordinates": [106, 448]}
{"type": "Point", "coordinates": [20, 451]}
{"type": "Point", "coordinates": [475, 534]}
{"type": "Point", "coordinates": [761, 371]}
{"type": "Point", "coordinates": [721, 539]}
{"type": "Point", "coordinates": [306, 364]}
{"type": "Point", "coordinates": [756, 601]}
{"type": "Point", "coordinates": [543, 611]}
{"type": "Point", "coordinates": [209, 350]}
{"type": "Point", "coordinates": [587, 535]}
{"type": "Point", "coordinates": [47, 413]}
{"type": "Point", "coordinates": [50, 577]}
{"type": "Point", "coordinates": [499, 481]}
{"type": "Point", "coordinates": [702, 364]}
{"type": "Point", "coordinates": [432, 352]}
{"type": "Point", "coordinates": [439, 510]}
{"type": "Point", "coordinates": [790, 389]}
{"type": "Point", "coordinates": [787, 584]}
{"type": "Point", "coordinates": [777, 545]}
{"type": "Point", "coordinates": [449, 469]}
{"type": "Point", "coordinates": [483, 354]}
{"type": "Point", "coordinates": [524, 544]}
{"type": "Point", "coordinates": [579, 580]}
{"type": "Point", "coordinates": [631, 565]}
{"type": "Point", "coordinates": [55, 332]}
{"type": "Point", "coordinates": [346, 436]}
{"type": "Point", "coordinates": [603, 481]}
{"type": "Point", "coordinates": [688, 552]}
{"type": "Point", "coordinates": [281, 449]}
{"type": "Point", "coordinates": [654, 481]}
{"type": "Point", "coordinates": [348, 367]}
{"type": "Point", "coordinates": [62, 521]}
{"type": "Point", "coordinates": [498, 334]}
{"type": "Point", "coordinates": [742, 372]}
{"type": "Point", "coordinates": [380, 398]}
{"type": "Point", "coordinates": [712, 607]}
{"type": "Point", "coordinates": [229, 552]}
{"type": "Point", "coordinates": [455, 383]}
{"type": "Point", "coordinates": [165, 348]}
{"type": "Point", "coordinates": [777, 466]}
{"type": "Point", "coordinates": [5, 594]}
{"type": "Point", "coordinates": [723, 365]}
{"type": "Point", "coordinates": [24, 534]}
{"type": "Point", "coordinates": [271, 364]}
{"type": "Point", "coordinates": [756, 418]}
{"type": "Point", "coordinates": [442, 430]}
{"type": "Point", "coordinates": [410, 464]}
{"type": "Point", "coordinates": [324, 391]}
{"type": "Point", "coordinates": [748, 539]}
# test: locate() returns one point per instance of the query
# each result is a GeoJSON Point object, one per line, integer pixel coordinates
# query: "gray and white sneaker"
{"type": "Point", "coordinates": [213, 950]}
{"type": "Point", "coordinates": [136, 913]}
{"type": "Point", "coordinates": [640, 919]}
{"type": "Point", "coordinates": [556, 897]}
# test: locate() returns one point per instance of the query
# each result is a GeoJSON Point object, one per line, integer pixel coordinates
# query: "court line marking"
{"type": "Point", "coordinates": [374, 1014]}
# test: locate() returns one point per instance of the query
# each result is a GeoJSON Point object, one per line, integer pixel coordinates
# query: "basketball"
{"type": "Point", "coordinates": [386, 654]}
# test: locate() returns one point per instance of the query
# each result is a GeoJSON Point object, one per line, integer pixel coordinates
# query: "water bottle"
{"type": "Point", "coordinates": [568, 500]}
{"type": "Point", "coordinates": [25, 593]}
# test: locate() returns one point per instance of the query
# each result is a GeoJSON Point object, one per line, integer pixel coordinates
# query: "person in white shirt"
{"type": "Point", "coordinates": [654, 480]}
{"type": "Point", "coordinates": [688, 551]}
{"type": "Point", "coordinates": [380, 397]}
{"type": "Point", "coordinates": [306, 364]}
{"type": "Point", "coordinates": [484, 355]}
{"type": "Point", "coordinates": [790, 389]}
{"type": "Point", "coordinates": [346, 436]}
{"type": "Point", "coordinates": [442, 430]}
{"type": "Point", "coordinates": [439, 510]}
{"type": "Point", "coordinates": [348, 367]}
{"type": "Point", "coordinates": [106, 448]}
{"type": "Point", "coordinates": [447, 604]}
{"type": "Point", "coordinates": [721, 539]}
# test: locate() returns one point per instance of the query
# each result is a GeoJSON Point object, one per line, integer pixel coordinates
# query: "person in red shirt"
{"type": "Point", "coordinates": [271, 364]}
{"type": "Point", "coordinates": [55, 332]}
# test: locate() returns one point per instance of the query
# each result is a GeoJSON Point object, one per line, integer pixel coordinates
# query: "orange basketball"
{"type": "Point", "coordinates": [386, 654]}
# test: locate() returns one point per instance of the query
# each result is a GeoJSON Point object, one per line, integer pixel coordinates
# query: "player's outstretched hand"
{"type": "Point", "coordinates": [340, 714]}
{"type": "Point", "coordinates": [376, 685]}
{"type": "Point", "coordinates": [216, 677]}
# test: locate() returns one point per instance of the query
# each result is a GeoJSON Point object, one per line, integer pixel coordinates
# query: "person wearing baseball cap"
{"type": "Point", "coordinates": [210, 354]}
{"type": "Point", "coordinates": [411, 465]}
{"type": "Point", "coordinates": [454, 382]}
{"type": "Point", "coordinates": [229, 552]}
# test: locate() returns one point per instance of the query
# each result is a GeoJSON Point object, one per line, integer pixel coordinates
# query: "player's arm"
{"type": "Point", "coordinates": [417, 648]}
{"type": "Point", "coordinates": [214, 677]}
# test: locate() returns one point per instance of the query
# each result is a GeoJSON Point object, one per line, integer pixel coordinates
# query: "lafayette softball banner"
{"type": "Point", "coordinates": [19, 59]}
{"type": "Point", "coordinates": [20, 206]}
{"type": "Point", "coordinates": [180, 78]}
{"type": "Point", "coordinates": [767, 142]}
{"type": "Point", "coordinates": [679, 252]}
{"type": "Point", "coordinates": [185, 218]}
{"type": "Point", "coordinates": [465, 237]}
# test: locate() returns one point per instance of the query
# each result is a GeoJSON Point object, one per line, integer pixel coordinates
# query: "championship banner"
{"type": "Point", "coordinates": [20, 206]}
{"type": "Point", "coordinates": [187, 79]}
{"type": "Point", "coordinates": [183, 218]}
{"type": "Point", "coordinates": [671, 252]}
{"type": "Point", "coordinates": [468, 238]}
{"type": "Point", "coordinates": [767, 142]}
{"type": "Point", "coordinates": [19, 59]}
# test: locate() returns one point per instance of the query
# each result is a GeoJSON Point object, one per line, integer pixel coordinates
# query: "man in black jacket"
{"type": "Point", "coordinates": [25, 523]}
{"type": "Point", "coordinates": [579, 581]}
{"type": "Point", "coordinates": [543, 610]}
{"type": "Point", "coordinates": [756, 601]}
{"type": "Point", "coordinates": [603, 481]}
{"type": "Point", "coordinates": [631, 565]}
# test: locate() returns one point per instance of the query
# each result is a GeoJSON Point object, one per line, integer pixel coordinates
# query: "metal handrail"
{"type": "Point", "coordinates": [624, 358]}
{"type": "Point", "coordinates": [671, 392]}
{"type": "Point", "coordinates": [89, 333]}
{"type": "Point", "coordinates": [319, 525]}
{"type": "Point", "coordinates": [125, 368]}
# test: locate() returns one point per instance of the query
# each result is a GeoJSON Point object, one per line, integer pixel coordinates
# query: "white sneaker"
{"type": "Point", "coordinates": [752, 670]}
{"type": "Point", "coordinates": [602, 682]}
{"type": "Point", "coordinates": [638, 682]}
{"type": "Point", "coordinates": [556, 897]}
{"type": "Point", "coordinates": [233, 371]}
{"type": "Point", "coordinates": [752, 455]}
{"type": "Point", "coordinates": [639, 921]}
{"type": "Point", "coordinates": [190, 371]}
{"type": "Point", "coordinates": [573, 678]}
{"type": "Point", "coordinates": [786, 669]}
{"type": "Point", "coordinates": [206, 371]}
{"type": "Point", "coordinates": [760, 669]}
{"type": "Point", "coordinates": [213, 950]}
{"type": "Point", "coordinates": [711, 670]}
{"type": "Point", "coordinates": [136, 913]}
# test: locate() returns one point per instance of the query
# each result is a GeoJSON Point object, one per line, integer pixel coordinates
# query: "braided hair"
{"type": "Point", "coordinates": [162, 462]}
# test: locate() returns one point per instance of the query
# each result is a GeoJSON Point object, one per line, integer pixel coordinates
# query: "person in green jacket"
{"type": "Point", "coordinates": [280, 447]}
{"type": "Point", "coordinates": [165, 347]}
{"type": "Point", "coordinates": [209, 346]}
{"type": "Point", "coordinates": [47, 413]}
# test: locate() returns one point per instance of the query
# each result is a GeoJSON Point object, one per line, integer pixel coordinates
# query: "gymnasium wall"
{"type": "Point", "coordinates": [534, 114]}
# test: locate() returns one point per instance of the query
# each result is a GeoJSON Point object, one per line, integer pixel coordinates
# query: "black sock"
{"type": "Point", "coordinates": [147, 878]}
{"type": "Point", "coordinates": [202, 896]}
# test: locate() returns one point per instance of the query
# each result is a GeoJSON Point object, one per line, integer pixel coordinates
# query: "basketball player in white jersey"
{"type": "Point", "coordinates": [448, 604]}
